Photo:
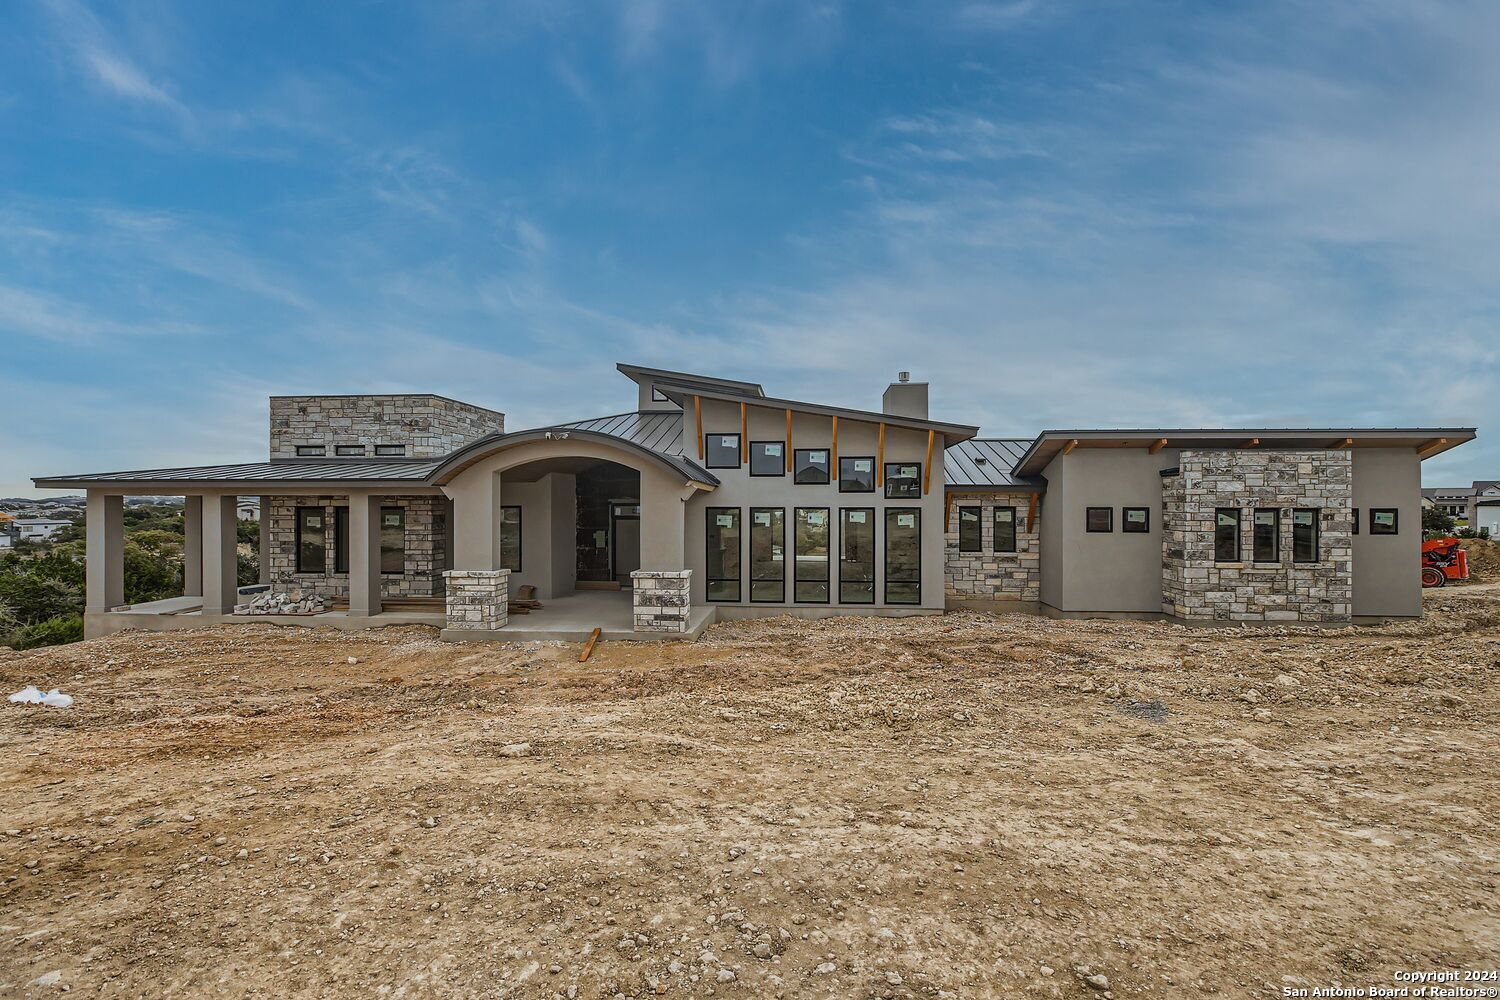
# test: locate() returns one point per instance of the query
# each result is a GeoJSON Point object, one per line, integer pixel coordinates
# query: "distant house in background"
{"type": "Point", "coordinates": [1451, 500]}
{"type": "Point", "coordinates": [7, 531]}
{"type": "Point", "coordinates": [1475, 506]}
{"type": "Point", "coordinates": [37, 529]}
{"type": "Point", "coordinates": [248, 509]}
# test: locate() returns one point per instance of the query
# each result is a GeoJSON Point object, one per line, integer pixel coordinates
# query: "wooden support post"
{"type": "Point", "coordinates": [1068, 448]}
{"type": "Point", "coordinates": [744, 434]}
{"type": "Point", "coordinates": [788, 444]}
{"type": "Point", "coordinates": [833, 455]}
{"type": "Point", "coordinates": [927, 468]}
{"type": "Point", "coordinates": [1251, 443]}
{"type": "Point", "coordinates": [588, 648]}
{"type": "Point", "coordinates": [698, 421]}
{"type": "Point", "coordinates": [1157, 445]}
{"type": "Point", "coordinates": [1031, 514]}
{"type": "Point", "coordinates": [880, 458]}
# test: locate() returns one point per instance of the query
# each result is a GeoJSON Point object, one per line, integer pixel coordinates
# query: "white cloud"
{"type": "Point", "coordinates": [104, 61]}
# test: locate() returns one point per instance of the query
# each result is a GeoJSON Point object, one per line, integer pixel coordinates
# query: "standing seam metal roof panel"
{"type": "Point", "coordinates": [985, 463]}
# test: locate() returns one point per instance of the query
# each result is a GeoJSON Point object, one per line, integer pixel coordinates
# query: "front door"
{"type": "Point", "coordinates": [625, 529]}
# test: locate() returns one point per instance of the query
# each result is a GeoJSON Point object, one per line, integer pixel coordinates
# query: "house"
{"type": "Point", "coordinates": [248, 509]}
{"type": "Point", "coordinates": [37, 529]}
{"type": "Point", "coordinates": [1484, 507]}
{"type": "Point", "coordinates": [711, 499]}
{"type": "Point", "coordinates": [1451, 500]}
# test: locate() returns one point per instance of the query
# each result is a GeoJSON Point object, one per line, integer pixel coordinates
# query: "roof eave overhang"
{"type": "Point", "coordinates": [1429, 441]}
{"type": "Point", "coordinates": [952, 433]}
{"type": "Point", "coordinates": [640, 373]}
{"type": "Point", "coordinates": [495, 443]}
{"type": "Point", "coordinates": [243, 487]}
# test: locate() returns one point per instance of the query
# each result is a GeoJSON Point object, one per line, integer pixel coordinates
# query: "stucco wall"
{"type": "Point", "coordinates": [425, 546]}
{"type": "Point", "coordinates": [548, 513]}
{"type": "Point", "coordinates": [427, 425]}
{"type": "Point", "coordinates": [1387, 573]}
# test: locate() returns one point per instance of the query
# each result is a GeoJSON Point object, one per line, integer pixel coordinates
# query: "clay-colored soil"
{"type": "Point", "coordinates": [963, 806]}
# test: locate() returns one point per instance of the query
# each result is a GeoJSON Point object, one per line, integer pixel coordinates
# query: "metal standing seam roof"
{"type": "Point", "coordinates": [986, 463]}
{"type": "Point", "coordinates": [280, 471]}
{"type": "Point", "coordinates": [660, 431]}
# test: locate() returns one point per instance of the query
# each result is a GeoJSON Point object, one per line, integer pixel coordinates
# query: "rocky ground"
{"type": "Point", "coordinates": [962, 806]}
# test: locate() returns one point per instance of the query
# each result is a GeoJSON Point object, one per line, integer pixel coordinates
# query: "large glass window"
{"type": "Point", "coordinates": [970, 532]}
{"type": "Point", "coordinates": [767, 458]}
{"type": "Point", "coordinates": [903, 555]}
{"type": "Point", "coordinates": [393, 540]}
{"type": "Point", "coordinates": [857, 555]}
{"type": "Point", "coordinates": [810, 541]}
{"type": "Point", "coordinates": [510, 539]}
{"type": "Point", "coordinates": [903, 480]}
{"type": "Point", "coordinates": [721, 451]}
{"type": "Point", "coordinates": [810, 466]}
{"type": "Point", "coordinates": [1227, 534]}
{"type": "Point", "coordinates": [341, 539]}
{"type": "Point", "coordinates": [1305, 535]}
{"type": "Point", "coordinates": [856, 475]}
{"type": "Point", "coordinates": [723, 554]}
{"type": "Point", "coordinates": [1005, 529]}
{"type": "Point", "coordinates": [768, 554]}
{"type": "Point", "coordinates": [312, 537]}
{"type": "Point", "coordinates": [1265, 540]}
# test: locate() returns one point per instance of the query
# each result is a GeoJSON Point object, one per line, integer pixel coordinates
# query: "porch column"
{"type": "Point", "coordinates": [104, 551]}
{"type": "Point", "coordinates": [192, 546]}
{"type": "Point", "coordinates": [476, 515]}
{"type": "Point", "coordinates": [364, 555]}
{"type": "Point", "coordinates": [220, 558]}
{"type": "Point", "coordinates": [265, 541]}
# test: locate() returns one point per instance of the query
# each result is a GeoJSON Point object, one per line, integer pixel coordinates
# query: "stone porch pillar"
{"type": "Point", "coordinates": [662, 598]}
{"type": "Point", "coordinates": [478, 599]}
{"type": "Point", "coordinates": [104, 551]}
{"type": "Point", "coordinates": [220, 523]}
{"type": "Point", "coordinates": [192, 546]}
{"type": "Point", "coordinates": [364, 555]}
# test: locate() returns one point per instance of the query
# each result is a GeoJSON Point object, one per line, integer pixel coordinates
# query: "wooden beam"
{"type": "Point", "coordinates": [880, 458]}
{"type": "Point", "coordinates": [698, 420]}
{"type": "Point", "coordinates": [1031, 514]}
{"type": "Point", "coordinates": [788, 445]}
{"type": "Point", "coordinates": [1251, 443]}
{"type": "Point", "coordinates": [1157, 445]}
{"type": "Point", "coordinates": [1437, 444]}
{"type": "Point", "coordinates": [744, 434]}
{"type": "Point", "coordinates": [833, 457]}
{"type": "Point", "coordinates": [1068, 448]}
{"type": "Point", "coordinates": [1343, 443]}
{"type": "Point", "coordinates": [927, 468]}
{"type": "Point", "coordinates": [588, 648]}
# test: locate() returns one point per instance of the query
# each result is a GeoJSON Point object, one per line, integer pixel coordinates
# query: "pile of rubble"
{"type": "Point", "coordinates": [293, 602]}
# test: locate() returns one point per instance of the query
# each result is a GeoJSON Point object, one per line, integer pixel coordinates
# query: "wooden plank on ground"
{"type": "Point", "coordinates": [588, 648]}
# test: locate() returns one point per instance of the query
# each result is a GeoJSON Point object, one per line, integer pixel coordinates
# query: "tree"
{"type": "Point", "coordinates": [1436, 521]}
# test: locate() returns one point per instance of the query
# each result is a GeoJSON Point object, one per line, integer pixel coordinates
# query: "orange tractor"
{"type": "Point", "coordinates": [1443, 560]}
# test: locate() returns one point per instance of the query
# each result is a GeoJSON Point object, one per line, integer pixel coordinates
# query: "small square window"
{"type": "Point", "coordinates": [1135, 520]}
{"type": "Point", "coordinates": [311, 450]}
{"type": "Point", "coordinates": [903, 480]}
{"type": "Point", "coordinates": [810, 466]}
{"type": "Point", "coordinates": [767, 458]}
{"type": "Point", "coordinates": [348, 450]}
{"type": "Point", "coordinates": [1383, 521]}
{"type": "Point", "coordinates": [390, 450]}
{"type": "Point", "coordinates": [1099, 519]}
{"type": "Point", "coordinates": [856, 475]}
{"type": "Point", "coordinates": [721, 451]}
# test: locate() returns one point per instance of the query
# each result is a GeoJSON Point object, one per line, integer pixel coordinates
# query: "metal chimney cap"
{"type": "Point", "coordinates": [903, 376]}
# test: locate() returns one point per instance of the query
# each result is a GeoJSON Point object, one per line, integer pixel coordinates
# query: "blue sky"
{"type": "Point", "coordinates": [1061, 214]}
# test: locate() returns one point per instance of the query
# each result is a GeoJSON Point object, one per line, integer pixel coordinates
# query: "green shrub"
{"type": "Point", "coordinates": [52, 632]}
{"type": "Point", "coordinates": [33, 598]}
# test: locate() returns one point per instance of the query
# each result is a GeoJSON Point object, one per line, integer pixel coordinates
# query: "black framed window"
{"type": "Point", "coordinates": [768, 554]}
{"type": "Point", "coordinates": [1097, 519]}
{"type": "Point", "coordinates": [1305, 535]}
{"type": "Point", "coordinates": [810, 466]}
{"type": "Point", "coordinates": [1227, 534]}
{"type": "Point", "coordinates": [810, 555]}
{"type": "Point", "coordinates": [1135, 520]}
{"type": "Point", "coordinates": [1354, 520]}
{"type": "Point", "coordinates": [721, 451]}
{"type": "Point", "coordinates": [857, 474]}
{"type": "Point", "coordinates": [510, 538]}
{"type": "Point", "coordinates": [1384, 520]}
{"type": "Point", "coordinates": [311, 450]}
{"type": "Point", "coordinates": [341, 539]}
{"type": "Point", "coordinates": [393, 540]}
{"type": "Point", "coordinates": [903, 480]}
{"type": "Point", "coordinates": [767, 458]}
{"type": "Point", "coordinates": [312, 540]}
{"type": "Point", "coordinates": [390, 450]}
{"type": "Point", "coordinates": [349, 450]}
{"type": "Point", "coordinates": [1005, 529]}
{"type": "Point", "coordinates": [722, 553]}
{"type": "Point", "coordinates": [903, 555]}
{"type": "Point", "coordinates": [857, 555]}
{"type": "Point", "coordinates": [1265, 536]}
{"type": "Point", "coordinates": [970, 532]}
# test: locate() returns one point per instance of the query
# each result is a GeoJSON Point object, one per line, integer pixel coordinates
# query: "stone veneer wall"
{"type": "Point", "coordinates": [1196, 588]}
{"type": "Point", "coordinates": [427, 425]}
{"type": "Point", "coordinates": [991, 575]}
{"type": "Point", "coordinates": [426, 543]}
{"type": "Point", "coordinates": [478, 599]}
{"type": "Point", "coordinates": [663, 599]}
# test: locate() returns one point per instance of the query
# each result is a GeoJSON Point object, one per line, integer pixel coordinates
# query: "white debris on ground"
{"type": "Point", "coordinates": [293, 602]}
{"type": "Point", "coordinates": [32, 695]}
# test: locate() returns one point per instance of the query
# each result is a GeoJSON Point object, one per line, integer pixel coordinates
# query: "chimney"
{"type": "Point", "coordinates": [905, 398]}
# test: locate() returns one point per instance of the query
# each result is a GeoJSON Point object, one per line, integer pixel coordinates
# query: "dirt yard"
{"type": "Point", "coordinates": [965, 806]}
